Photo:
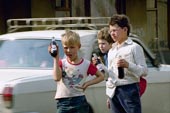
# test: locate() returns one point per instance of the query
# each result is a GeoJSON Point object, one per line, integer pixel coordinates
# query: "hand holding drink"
{"type": "Point", "coordinates": [120, 70]}
{"type": "Point", "coordinates": [54, 48]}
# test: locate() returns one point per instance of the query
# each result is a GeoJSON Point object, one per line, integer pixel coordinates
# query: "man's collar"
{"type": "Point", "coordinates": [128, 41]}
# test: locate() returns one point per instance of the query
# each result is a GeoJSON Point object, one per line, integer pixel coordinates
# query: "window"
{"type": "Point", "coordinates": [63, 8]}
{"type": "Point", "coordinates": [26, 53]}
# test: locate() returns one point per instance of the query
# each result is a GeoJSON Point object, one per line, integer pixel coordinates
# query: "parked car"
{"type": "Point", "coordinates": [28, 86]}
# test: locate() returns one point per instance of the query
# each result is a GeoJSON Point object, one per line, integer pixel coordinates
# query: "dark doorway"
{"type": "Point", "coordinates": [120, 6]}
{"type": "Point", "coordinates": [10, 9]}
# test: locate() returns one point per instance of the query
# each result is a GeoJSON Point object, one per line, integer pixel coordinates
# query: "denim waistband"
{"type": "Point", "coordinates": [71, 98]}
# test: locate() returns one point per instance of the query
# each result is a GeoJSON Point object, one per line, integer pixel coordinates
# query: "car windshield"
{"type": "Point", "coordinates": [26, 53]}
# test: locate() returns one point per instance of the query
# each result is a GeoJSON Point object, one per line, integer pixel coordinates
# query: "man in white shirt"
{"type": "Point", "coordinates": [123, 92]}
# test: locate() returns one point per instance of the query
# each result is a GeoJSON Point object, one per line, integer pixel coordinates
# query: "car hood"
{"type": "Point", "coordinates": [12, 74]}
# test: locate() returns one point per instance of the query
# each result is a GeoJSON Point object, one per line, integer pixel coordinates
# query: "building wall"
{"type": "Point", "coordinates": [78, 8]}
{"type": "Point", "coordinates": [138, 17]}
{"type": "Point", "coordinates": [151, 23]}
{"type": "Point", "coordinates": [162, 23]}
{"type": "Point", "coordinates": [42, 8]}
{"type": "Point", "coordinates": [148, 22]}
{"type": "Point", "coordinates": [103, 8]}
{"type": "Point", "coordinates": [157, 24]}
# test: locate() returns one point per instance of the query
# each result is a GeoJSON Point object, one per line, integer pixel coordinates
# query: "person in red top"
{"type": "Point", "coordinates": [70, 75]}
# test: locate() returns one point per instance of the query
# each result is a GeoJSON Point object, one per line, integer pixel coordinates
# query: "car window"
{"type": "Point", "coordinates": [26, 53]}
{"type": "Point", "coordinates": [149, 60]}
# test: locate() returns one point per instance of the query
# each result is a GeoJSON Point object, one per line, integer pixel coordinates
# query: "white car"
{"type": "Point", "coordinates": [27, 86]}
{"type": "Point", "coordinates": [25, 54]}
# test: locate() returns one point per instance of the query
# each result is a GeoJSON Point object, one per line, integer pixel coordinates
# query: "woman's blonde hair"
{"type": "Point", "coordinates": [70, 38]}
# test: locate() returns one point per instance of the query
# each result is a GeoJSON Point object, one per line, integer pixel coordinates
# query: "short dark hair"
{"type": "Point", "coordinates": [121, 20]}
{"type": "Point", "coordinates": [103, 34]}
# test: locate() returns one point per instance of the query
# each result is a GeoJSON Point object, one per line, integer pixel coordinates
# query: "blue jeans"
{"type": "Point", "coordinates": [72, 105]}
{"type": "Point", "coordinates": [126, 99]}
